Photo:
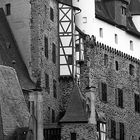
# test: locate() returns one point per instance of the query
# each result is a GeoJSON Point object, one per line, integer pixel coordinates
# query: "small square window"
{"type": "Point", "coordinates": [131, 45]}
{"type": "Point", "coordinates": [101, 32]}
{"type": "Point", "coordinates": [8, 9]}
{"type": "Point", "coordinates": [116, 39]}
{"type": "Point", "coordinates": [84, 19]}
{"type": "Point", "coordinates": [51, 14]}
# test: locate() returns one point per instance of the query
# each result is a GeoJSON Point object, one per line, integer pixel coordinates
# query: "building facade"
{"type": "Point", "coordinates": [80, 87]}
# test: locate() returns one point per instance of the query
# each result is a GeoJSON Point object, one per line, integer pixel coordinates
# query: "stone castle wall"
{"type": "Point", "coordinates": [121, 78]}
{"type": "Point", "coordinates": [41, 26]}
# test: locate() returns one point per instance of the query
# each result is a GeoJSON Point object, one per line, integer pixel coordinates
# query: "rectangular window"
{"type": "Point", "coordinates": [54, 89]}
{"type": "Point", "coordinates": [137, 103]}
{"type": "Point", "coordinates": [101, 32]}
{"type": "Point", "coordinates": [116, 65]}
{"type": "Point", "coordinates": [121, 131]}
{"type": "Point", "coordinates": [51, 14]}
{"type": "Point", "coordinates": [113, 129]}
{"type": "Point", "coordinates": [104, 92]}
{"type": "Point", "coordinates": [53, 116]}
{"type": "Point", "coordinates": [123, 10]}
{"type": "Point", "coordinates": [84, 19]}
{"type": "Point", "coordinates": [8, 9]}
{"type": "Point", "coordinates": [105, 59]}
{"type": "Point", "coordinates": [47, 83]}
{"type": "Point", "coordinates": [70, 59]}
{"type": "Point", "coordinates": [46, 46]}
{"type": "Point", "coordinates": [53, 53]}
{"type": "Point", "coordinates": [131, 45]}
{"type": "Point", "coordinates": [116, 39]}
{"type": "Point", "coordinates": [101, 129]}
{"type": "Point", "coordinates": [119, 97]}
{"type": "Point", "coordinates": [131, 69]}
{"type": "Point", "coordinates": [77, 47]}
{"type": "Point", "coordinates": [73, 136]}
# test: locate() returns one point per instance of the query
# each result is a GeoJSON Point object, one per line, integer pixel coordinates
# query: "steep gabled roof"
{"type": "Point", "coordinates": [135, 7]}
{"type": "Point", "coordinates": [10, 55]}
{"type": "Point", "coordinates": [104, 11]}
{"type": "Point", "coordinates": [75, 112]}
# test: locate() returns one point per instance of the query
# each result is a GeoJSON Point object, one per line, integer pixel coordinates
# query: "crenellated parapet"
{"type": "Point", "coordinates": [93, 42]}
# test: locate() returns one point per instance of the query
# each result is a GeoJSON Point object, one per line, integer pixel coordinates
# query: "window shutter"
{"type": "Point", "coordinates": [113, 129]}
{"type": "Point", "coordinates": [46, 46]}
{"type": "Point", "coordinates": [139, 103]}
{"type": "Point", "coordinates": [109, 129]}
{"type": "Point", "coordinates": [122, 131]}
{"type": "Point", "coordinates": [104, 91]}
{"type": "Point", "coordinates": [100, 90]}
{"type": "Point", "coordinates": [120, 97]}
{"type": "Point", "coordinates": [117, 131]}
{"type": "Point", "coordinates": [53, 53]}
{"type": "Point", "coordinates": [116, 96]}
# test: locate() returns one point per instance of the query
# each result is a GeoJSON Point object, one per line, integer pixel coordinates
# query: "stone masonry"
{"type": "Point", "coordinates": [98, 72]}
{"type": "Point", "coordinates": [41, 26]}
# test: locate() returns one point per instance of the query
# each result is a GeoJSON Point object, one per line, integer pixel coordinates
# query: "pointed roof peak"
{"type": "Point", "coordinates": [75, 111]}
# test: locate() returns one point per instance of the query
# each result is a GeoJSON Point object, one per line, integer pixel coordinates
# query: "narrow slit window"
{"type": "Point", "coordinates": [116, 65]}
{"type": "Point", "coordinates": [101, 32]}
{"type": "Point", "coordinates": [131, 69]}
{"type": "Point", "coordinates": [51, 14]}
{"type": "Point", "coordinates": [105, 59]}
{"type": "Point", "coordinates": [8, 9]}
{"type": "Point", "coordinates": [54, 89]}
{"type": "Point", "coordinates": [53, 53]}
{"type": "Point", "coordinates": [131, 45]}
{"type": "Point", "coordinates": [116, 39]}
{"type": "Point", "coordinates": [47, 87]}
{"type": "Point", "coordinates": [46, 46]}
{"type": "Point", "coordinates": [53, 116]}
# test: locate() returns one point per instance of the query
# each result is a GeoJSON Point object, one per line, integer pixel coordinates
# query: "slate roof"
{"type": "Point", "coordinates": [75, 112]}
{"type": "Point", "coordinates": [104, 11]}
{"type": "Point", "coordinates": [10, 55]}
{"type": "Point", "coordinates": [135, 7]}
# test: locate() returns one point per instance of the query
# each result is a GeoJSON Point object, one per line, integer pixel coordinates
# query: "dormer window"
{"type": "Point", "coordinates": [8, 9]}
{"type": "Point", "coordinates": [84, 19]}
{"type": "Point", "coordinates": [123, 10]}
